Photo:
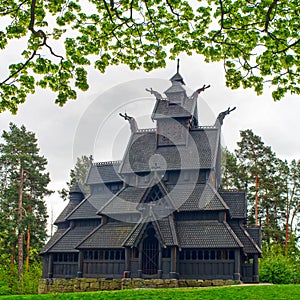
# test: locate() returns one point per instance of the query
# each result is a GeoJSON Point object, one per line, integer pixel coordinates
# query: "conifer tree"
{"type": "Point", "coordinates": [23, 181]}
{"type": "Point", "coordinates": [273, 187]}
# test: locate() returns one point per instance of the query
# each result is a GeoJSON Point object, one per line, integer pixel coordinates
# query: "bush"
{"type": "Point", "coordinates": [31, 278]}
{"type": "Point", "coordinates": [278, 265]}
{"type": "Point", "coordinates": [9, 284]}
{"type": "Point", "coordinates": [278, 269]}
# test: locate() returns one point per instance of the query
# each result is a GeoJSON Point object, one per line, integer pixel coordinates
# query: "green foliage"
{"type": "Point", "coordinates": [22, 222]}
{"type": "Point", "coordinates": [31, 278]}
{"type": "Point", "coordinates": [9, 284]}
{"type": "Point", "coordinates": [274, 183]}
{"type": "Point", "coordinates": [258, 42]}
{"type": "Point", "coordinates": [278, 268]}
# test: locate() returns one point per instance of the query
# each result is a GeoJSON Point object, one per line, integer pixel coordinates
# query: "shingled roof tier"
{"type": "Point", "coordinates": [165, 228]}
{"type": "Point", "coordinates": [206, 234]}
{"type": "Point", "coordinates": [89, 207]}
{"type": "Point", "coordinates": [54, 239]}
{"type": "Point", "coordinates": [250, 247]}
{"type": "Point", "coordinates": [103, 172]}
{"type": "Point", "coordinates": [236, 202]}
{"type": "Point", "coordinates": [63, 215]}
{"type": "Point", "coordinates": [125, 201]}
{"type": "Point", "coordinates": [184, 197]}
{"type": "Point", "coordinates": [70, 238]}
{"type": "Point", "coordinates": [195, 197]}
{"type": "Point", "coordinates": [199, 153]}
{"type": "Point", "coordinates": [110, 235]}
{"type": "Point", "coordinates": [165, 109]}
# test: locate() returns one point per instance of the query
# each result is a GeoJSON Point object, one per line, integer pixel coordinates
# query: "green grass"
{"type": "Point", "coordinates": [285, 292]}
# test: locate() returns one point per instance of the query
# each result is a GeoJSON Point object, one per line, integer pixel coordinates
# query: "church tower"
{"type": "Point", "coordinates": [176, 114]}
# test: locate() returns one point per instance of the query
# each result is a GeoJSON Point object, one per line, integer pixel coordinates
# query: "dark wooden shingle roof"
{"type": "Point", "coordinates": [110, 235]}
{"type": "Point", "coordinates": [236, 202]}
{"type": "Point", "coordinates": [164, 109]}
{"type": "Point", "coordinates": [206, 234]}
{"type": "Point", "coordinates": [70, 239]}
{"type": "Point", "coordinates": [250, 247]}
{"type": "Point", "coordinates": [70, 207]}
{"type": "Point", "coordinates": [104, 172]}
{"type": "Point", "coordinates": [165, 228]}
{"type": "Point", "coordinates": [193, 197]}
{"type": "Point", "coordinates": [125, 201]}
{"type": "Point", "coordinates": [198, 154]}
{"type": "Point", "coordinates": [88, 208]}
{"type": "Point", "coordinates": [56, 236]}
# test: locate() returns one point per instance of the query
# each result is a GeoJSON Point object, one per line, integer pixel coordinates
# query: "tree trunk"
{"type": "Point", "coordinates": [256, 200]}
{"type": "Point", "coordinates": [28, 236]}
{"type": "Point", "coordinates": [12, 266]}
{"type": "Point", "coordinates": [20, 233]}
{"type": "Point", "coordinates": [27, 249]}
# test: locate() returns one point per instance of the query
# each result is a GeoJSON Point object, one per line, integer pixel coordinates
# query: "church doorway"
{"type": "Point", "coordinates": [150, 254]}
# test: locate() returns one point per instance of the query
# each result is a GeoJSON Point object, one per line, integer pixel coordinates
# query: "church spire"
{"type": "Point", "coordinates": [177, 77]}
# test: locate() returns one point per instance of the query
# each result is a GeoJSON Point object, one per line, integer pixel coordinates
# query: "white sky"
{"type": "Point", "coordinates": [91, 125]}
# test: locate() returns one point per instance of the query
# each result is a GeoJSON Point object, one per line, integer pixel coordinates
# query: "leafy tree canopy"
{"type": "Point", "coordinates": [258, 41]}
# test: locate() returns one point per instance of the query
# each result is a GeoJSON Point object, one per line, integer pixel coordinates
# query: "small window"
{"type": "Point", "coordinates": [206, 255]}
{"type": "Point", "coordinates": [200, 254]}
{"type": "Point", "coordinates": [225, 254]}
{"type": "Point", "coordinates": [122, 254]}
{"type": "Point", "coordinates": [96, 255]}
{"type": "Point", "coordinates": [85, 254]}
{"type": "Point", "coordinates": [219, 255]}
{"type": "Point", "coordinates": [100, 255]}
{"type": "Point", "coordinates": [106, 255]}
{"type": "Point", "coordinates": [231, 254]}
{"type": "Point", "coordinates": [194, 254]}
{"type": "Point", "coordinates": [112, 255]}
{"type": "Point", "coordinates": [212, 255]}
{"type": "Point", "coordinates": [187, 255]}
{"type": "Point", "coordinates": [181, 255]}
{"type": "Point", "coordinates": [118, 256]}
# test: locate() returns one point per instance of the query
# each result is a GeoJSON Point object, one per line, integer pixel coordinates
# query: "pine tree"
{"type": "Point", "coordinates": [23, 181]}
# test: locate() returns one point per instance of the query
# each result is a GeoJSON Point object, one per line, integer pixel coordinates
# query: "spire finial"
{"type": "Point", "coordinates": [178, 60]}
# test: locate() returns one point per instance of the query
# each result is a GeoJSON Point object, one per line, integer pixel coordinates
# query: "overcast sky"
{"type": "Point", "coordinates": [91, 125]}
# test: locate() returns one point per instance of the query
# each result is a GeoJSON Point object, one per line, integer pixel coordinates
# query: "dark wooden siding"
{"type": "Point", "coordinates": [206, 264]}
{"type": "Point", "coordinates": [107, 269]}
{"type": "Point", "coordinates": [65, 269]}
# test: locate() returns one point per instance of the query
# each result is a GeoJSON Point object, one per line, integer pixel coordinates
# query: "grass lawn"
{"type": "Point", "coordinates": [286, 292]}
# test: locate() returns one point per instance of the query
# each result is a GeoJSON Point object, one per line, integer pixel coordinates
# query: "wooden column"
{"type": "Point", "coordinates": [159, 271]}
{"type": "Point", "coordinates": [127, 272]}
{"type": "Point", "coordinates": [140, 271]}
{"type": "Point", "coordinates": [255, 268]}
{"type": "Point", "coordinates": [237, 265]}
{"type": "Point", "coordinates": [80, 264]}
{"type": "Point", "coordinates": [50, 266]}
{"type": "Point", "coordinates": [173, 267]}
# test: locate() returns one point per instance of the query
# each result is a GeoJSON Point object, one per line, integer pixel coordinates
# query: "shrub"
{"type": "Point", "coordinates": [278, 269]}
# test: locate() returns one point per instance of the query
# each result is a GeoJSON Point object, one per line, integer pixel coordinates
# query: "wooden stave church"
{"type": "Point", "coordinates": [160, 212]}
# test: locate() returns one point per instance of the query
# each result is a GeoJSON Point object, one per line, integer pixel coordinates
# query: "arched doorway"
{"type": "Point", "coordinates": [150, 254]}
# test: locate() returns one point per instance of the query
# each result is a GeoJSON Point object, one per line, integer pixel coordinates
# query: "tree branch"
{"type": "Point", "coordinates": [268, 15]}
{"type": "Point", "coordinates": [20, 69]}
